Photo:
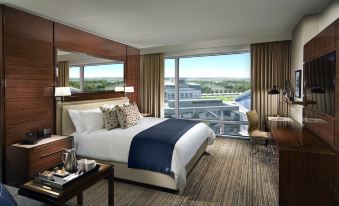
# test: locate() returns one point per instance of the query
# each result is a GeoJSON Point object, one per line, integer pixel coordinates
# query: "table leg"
{"type": "Point", "coordinates": [111, 189]}
{"type": "Point", "coordinates": [80, 199]}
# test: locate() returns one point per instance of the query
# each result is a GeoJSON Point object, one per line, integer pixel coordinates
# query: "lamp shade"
{"type": "Point", "coordinates": [119, 89]}
{"type": "Point", "coordinates": [62, 91]}
{"type": "Point", "coordinates": [274, 90]}
{"type": "Point", "coordinates": [129, 89]}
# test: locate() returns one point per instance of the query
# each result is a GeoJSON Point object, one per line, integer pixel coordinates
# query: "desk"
{"type": "Point", "coordinates": [305, 165]}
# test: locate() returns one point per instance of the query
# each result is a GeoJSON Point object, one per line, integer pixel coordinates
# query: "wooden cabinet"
{"type": "Point", "coordinates": [306, 169]}
{"type": "Point", "coordinates": [321, 44]}
{"type": "Point", "coordinates": [309, 50]}
{"type": "Point", "coordinates": [26, 160]}
{"type": "Point", "coordinates": [325, 40]}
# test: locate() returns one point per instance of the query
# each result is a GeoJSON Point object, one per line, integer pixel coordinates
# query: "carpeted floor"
{"type": "Point", "coordinates": [228, 175]}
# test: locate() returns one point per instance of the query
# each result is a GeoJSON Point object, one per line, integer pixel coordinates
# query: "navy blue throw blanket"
{"type": "Point", "coordinates": [152, 149]}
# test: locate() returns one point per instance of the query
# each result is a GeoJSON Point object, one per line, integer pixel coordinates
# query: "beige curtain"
{"type": "Point", "coordinates": [63, 74]}
{"type": "Point", "coordinates": [270, 65]}
{"type": "Point", "coordinates": [152, 82]}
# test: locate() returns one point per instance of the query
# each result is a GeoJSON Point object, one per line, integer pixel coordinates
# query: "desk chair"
{"type": "Point", "coordinates": [256, 135]}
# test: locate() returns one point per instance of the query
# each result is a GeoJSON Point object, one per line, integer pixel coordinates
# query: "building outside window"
{"type": "Point", "coordinates": [214, 89]}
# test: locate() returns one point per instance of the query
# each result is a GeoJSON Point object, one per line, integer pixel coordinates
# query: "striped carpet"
{"type": "Point", "coordinates": [228, 175]}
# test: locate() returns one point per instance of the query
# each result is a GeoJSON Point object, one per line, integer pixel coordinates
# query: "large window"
{"type": "Point", "coordinates": [97, 77]}
{"type": "Point", "coordinates": [214, 89]}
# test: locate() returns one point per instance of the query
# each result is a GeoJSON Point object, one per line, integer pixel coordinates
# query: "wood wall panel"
{"type": "Point", "coordinates": [336, 180]}
{"type": "Point", "coordinates": [71, 39]}
{"type": "Point", "coordinates": [133, 73]}
{"type": "Point", "coordinates": [94, 95]}
{"type": "Point", "coordinates": [310, 50]}
{"type": "Point", "coordinates": [28, 63]}
{"type": "Point", "coordinates": [2, 100]}
{"type": "Point", "coordinates": [325, 40]}
{"type": "Point", "coordinates": [28, 59]}
{"type": "Point", "coordinates": [337, 86]}
{"type": "Point", "coordinates": [27, 26]}
{"type": "Point", "coordinates": [29, 71]}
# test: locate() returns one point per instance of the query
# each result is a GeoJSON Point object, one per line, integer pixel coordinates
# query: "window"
{"type": "Point", "coordinates": [214, 89]}
{"type": "Point", "coordinates": [74, 77]}
{"type": "Point", "coordinates": [97, 77]}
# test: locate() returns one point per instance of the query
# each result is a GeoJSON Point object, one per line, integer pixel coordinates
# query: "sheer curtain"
{"type": "Point", "coordinates": [152, 95]}
{"type": "Point", "coordinates": [63, 74]}
{"type": "Point", "coordinates": [270, 65]}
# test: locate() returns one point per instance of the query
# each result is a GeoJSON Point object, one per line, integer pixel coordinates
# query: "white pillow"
{"type": "Point", "coordinates": [76, 119]}
{"type": "Point", "coordinates": [93, 120]}
{"type": "Point", "coordinates": [109, 106]}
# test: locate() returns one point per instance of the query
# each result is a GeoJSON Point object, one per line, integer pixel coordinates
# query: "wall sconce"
{"type": "Point", "coordinates": [129, 89]}
{"type": "Point", "coordinates": [61, 92]}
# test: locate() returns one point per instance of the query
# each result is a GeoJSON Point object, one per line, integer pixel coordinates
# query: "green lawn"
{"type": "Point", "coordinates": [224, 98]}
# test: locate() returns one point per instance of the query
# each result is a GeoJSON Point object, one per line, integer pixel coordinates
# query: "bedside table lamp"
{"type": "Point", "coordinates": [61, 92]}
{"type": "Point", "coordinates": [274, 91]}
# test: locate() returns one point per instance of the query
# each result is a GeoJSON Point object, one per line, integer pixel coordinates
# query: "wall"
{"type": "Point", "coordinates": [305, 30]}
{"type": "Point", "coordinates": [27, 71]}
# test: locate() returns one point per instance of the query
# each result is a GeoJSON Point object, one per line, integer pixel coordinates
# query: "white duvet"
{"type": "Point", "coordinates": [114, 145]}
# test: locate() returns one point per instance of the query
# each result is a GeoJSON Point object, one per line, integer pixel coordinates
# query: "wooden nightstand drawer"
{"type": "Point", "coordinates": [26, 160]}
{"type": "Point", "coordinates": [47, 156]}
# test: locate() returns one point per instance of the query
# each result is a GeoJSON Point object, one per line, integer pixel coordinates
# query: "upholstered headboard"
{"type": "Point", "coordinates": [64, 124]}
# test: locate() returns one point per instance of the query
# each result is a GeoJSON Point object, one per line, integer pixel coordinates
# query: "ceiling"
{"type": "Point", "coordinates": [155, 23]}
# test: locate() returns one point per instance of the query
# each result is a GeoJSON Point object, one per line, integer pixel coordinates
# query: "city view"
{"type": "Point", "coordinates": [220, 99]}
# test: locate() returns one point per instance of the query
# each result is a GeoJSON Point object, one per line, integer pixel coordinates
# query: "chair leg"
{"type": "Point", "coordinates": [254, 148]}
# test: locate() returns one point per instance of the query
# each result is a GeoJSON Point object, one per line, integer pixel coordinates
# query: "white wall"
{"type": "Point", "coordinates": [308, 27]}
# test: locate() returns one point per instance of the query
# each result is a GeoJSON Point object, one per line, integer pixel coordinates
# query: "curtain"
{"type": "Point", "coordinates": [270, 65]}
{"type": "Point", "coordinates": [153, 84]}
{"type": "Point", "coordinates": [63, 74]}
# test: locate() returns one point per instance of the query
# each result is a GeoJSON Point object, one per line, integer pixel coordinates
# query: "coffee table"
{"type": "Point", "coordinates": [53, 196]}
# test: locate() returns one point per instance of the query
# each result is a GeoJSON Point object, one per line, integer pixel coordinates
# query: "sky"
{"type": "Point", "coordinates": [228, 65]}
{"type": "Point", "coordinates": [106, 70]}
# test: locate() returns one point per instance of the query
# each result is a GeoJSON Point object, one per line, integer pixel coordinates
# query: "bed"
{"type": "Point", "coordinates": [113, 146]}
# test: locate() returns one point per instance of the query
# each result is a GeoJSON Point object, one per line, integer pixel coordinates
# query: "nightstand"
{"type": "Point", "coordinates": [25, 160]}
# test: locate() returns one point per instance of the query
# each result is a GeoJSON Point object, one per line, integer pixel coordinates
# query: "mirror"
{"type": "Point", "coordinates": [84, 73]}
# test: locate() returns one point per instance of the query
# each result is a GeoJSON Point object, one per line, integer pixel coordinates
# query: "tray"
{"type": "Point", "coordinates": [62, 182]}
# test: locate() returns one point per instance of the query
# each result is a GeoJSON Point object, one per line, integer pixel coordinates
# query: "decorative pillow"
{"type": "Point", "coordinates": [136, 111]}
{"type": "Point", "coordinates": [93, 120]}
{"type": "Point", "coordinates": [110, 117]}
{"type": "Point", "coordinates": [126, 116]}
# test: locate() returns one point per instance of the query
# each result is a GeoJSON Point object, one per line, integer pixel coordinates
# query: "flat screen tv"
{"type": "Point", "coordinates": [319, 84]}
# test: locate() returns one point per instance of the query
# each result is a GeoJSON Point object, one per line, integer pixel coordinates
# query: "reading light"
{"type": "Point", "coordinates": [317, 90]}
{"type": "Point", "coordinates": [129, 89]}
{"type": "Point", "coordinates": [119, 89]}
{"type": "Point", "coordinates": [274, 90]}
{"type": "Point", "coordinates": [62, 92]}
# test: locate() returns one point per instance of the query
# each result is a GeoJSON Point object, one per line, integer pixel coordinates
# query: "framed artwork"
{"type": "Point", "coordinates": [297, 91]}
